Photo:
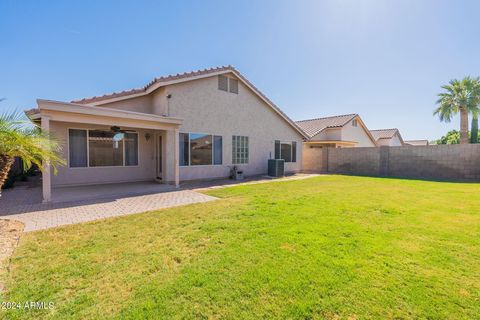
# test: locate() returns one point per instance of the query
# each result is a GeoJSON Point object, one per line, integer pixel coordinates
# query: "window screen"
{"type": "Point", "coordinates": [222, 83]}
{"type": "Point", "coordinates": [294, 151]}
{"type": "Point", "coordinates": [77, 142]}
{"type": "Point", "coordinates": [217, 150]}
{"type": "Point", "coordinates": [233, 83]}
{"type": "Point", "coordinates": [286, 151]}
{"type": "Point", "coordinates": [184, 149]}
{"type": "Point", "coordinates": [277, 149]}
{"type": "Point", "coordinates": [131, 149]}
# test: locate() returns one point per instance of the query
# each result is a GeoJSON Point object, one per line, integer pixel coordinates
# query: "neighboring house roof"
{"type": "Point", "coordinates": [188, 76]}
{"type": "Point", "coordinates": [312, 127]}
{"type": "Point", "coordinates": [385, 134]}
{"type": "Point", "coordinates": [417, 142]}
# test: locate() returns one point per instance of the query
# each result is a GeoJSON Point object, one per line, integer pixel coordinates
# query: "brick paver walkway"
{"type": "Point", "coordinates": [24, 203]}
{"type": "Point", "coordinates": [37, 216]}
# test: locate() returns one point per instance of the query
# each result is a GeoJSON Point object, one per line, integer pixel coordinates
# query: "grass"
{"type": "Point", "coordinates": [331, 247]}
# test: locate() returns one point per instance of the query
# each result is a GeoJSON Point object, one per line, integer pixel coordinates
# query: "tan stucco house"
{"type": "Point", "coordinates": [388, 137]}
{"type": "Point", "coordinates": [416, 143]}
{"type": "Point", "coordinates": [183, 127]}
{"type": "Point", "coordinates": [342, 131]}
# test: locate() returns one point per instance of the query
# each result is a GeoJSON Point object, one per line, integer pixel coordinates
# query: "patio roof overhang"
{"type": "Point", "coordinates": [49, 110]}
{"type": "Point", "coordinates": [78, 113]}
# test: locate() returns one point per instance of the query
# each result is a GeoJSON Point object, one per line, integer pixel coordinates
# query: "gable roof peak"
{"type": "Point", "coordinates": [330, 117]}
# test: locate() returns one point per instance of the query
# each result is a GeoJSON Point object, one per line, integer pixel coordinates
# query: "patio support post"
{"type": "Point", "coordinates": [176, 134]}
{"type": "Point", "coordinates": [46, 177]}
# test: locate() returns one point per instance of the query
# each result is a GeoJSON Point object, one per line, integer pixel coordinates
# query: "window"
{"type": "Point", "coordinates": [217, 150]}
{"type": "Point", "coordinates": [222, 83]}
{"type": "Point", "coordinates": [184, 149]}
{"type": "Point", "coordinates": [103, 150]}
{"type": "Point", "coordinates": [98, 148]}
{"type": "Point", "coordinates": [233, 83]}
{"type": "Point", "coordinates": [131, 149]}
{"type": "Point", "coordinates": [354, 122]}
{"type": "Point", "coordinates": [239, 149]}
{"type": "Point", "coordinates": [286, 151]}
{"type": "Point", "coordinates": [77, 143]}
{"type": "Point", "coordinates": [200, 149]}
{"type": "Point", "coordinates": [226, 83]}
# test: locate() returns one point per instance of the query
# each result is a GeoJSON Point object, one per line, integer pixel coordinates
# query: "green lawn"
{"type": "Point", "coordinates": [332, 247]}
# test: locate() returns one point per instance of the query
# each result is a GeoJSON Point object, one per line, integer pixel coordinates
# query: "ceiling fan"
{"type": "Point", "coordinates": [116, 129]}
{"type": "Point", "coordinates": [118, 135]}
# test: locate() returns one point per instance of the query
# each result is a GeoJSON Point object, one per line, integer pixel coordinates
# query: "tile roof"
{"type": "Point", "coordinates": [417, 142]}
{"type": "Point", "coordinates": [313, 127]}
{"type": "Point", "coordinates": [185, 77]}
{"type": "Point", "coordinates": [143, 89]}
{"type": "Point", "coordinates": [384, 133]}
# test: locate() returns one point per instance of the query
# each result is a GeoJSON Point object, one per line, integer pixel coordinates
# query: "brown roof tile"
{"type": "Point", "coordinates": [313, 127]}
{"type": "Point", "coordinates": [384, 133]}
{"type": "Point", "coordinates": [185, 76]}
{"type": "Point", "coordinates": [154, 81]}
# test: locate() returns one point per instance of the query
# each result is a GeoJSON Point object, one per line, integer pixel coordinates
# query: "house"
{"type": "Point", "coordinates": [343, 131]}
{"type": "Point", "coordinates": [387, 137]}
{"type": "Point", "coordinates": [337, 131]}
{"type": "Point", "coordinates": [181, 127]}
{"type": "Point", "coordinates": [416, 143]}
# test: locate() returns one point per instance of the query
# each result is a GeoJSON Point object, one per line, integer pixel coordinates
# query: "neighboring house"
{"type": "Point", "coordinates": [183, 127]}
{"type": "Point", "coordinates": [387, 137]}
{"type": "Point", "coordinates": [337, 131]}
{"type": "Point", "coordinates": [343, 131]}
{"type": "Point", "coordinates": [416, 142]}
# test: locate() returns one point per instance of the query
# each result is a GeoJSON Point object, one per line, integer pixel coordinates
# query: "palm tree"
{"type": "Point", "coordinates": [19, 139]}
{"type": "Point", "coordinates": [461, 96]}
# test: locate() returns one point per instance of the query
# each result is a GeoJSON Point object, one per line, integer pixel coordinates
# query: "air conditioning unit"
{"type": "Point", "coordinates": [276, 167]}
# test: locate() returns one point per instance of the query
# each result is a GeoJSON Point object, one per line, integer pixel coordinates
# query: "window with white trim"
{"type": "Point", "coordinates": [100, 148]}
{"type": "Point", "coordinates": [240, 150]}
{"type": "Point", "coordinates": [200, 149]}
{"type": "Point", "coordinates": [286, 150]}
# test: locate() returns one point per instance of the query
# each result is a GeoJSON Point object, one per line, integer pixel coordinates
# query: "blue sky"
{"type": "Point", "coordinates": [385, 60]}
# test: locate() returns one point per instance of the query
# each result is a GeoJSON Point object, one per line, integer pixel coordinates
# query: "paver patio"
{"type": "Point", "coordinates": [23, 204]}
{"type": "Point", "coordinates": [88, 203]}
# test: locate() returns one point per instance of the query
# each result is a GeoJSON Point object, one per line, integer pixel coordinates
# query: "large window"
{"type": "Point", "coordinates": [99, 148]}
{"type": "Point", "coordinates": [239, 149]}
{"type": "Point", "coordinates": [200, 149]}
{"type": "Point", "coordinates": [286, 151]}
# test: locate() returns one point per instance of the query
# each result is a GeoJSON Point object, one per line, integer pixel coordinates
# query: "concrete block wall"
{"type": "Point", "coordinates": [355, 161]}
{"type": "Point", "coordinates": [312, 158]}
{"type": "Point", "coordinates": [439, 162]}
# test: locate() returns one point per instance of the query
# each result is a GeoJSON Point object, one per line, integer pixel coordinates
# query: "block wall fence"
{"type": "Point", "coordinates": [437, 162]}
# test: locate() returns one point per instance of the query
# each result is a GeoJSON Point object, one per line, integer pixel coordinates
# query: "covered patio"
{"type": "Point", "coordinates": [152, 152]}
{"type": "Point", "coordinates": [70, 205]}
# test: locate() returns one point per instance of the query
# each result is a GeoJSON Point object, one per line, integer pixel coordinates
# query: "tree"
{"type": "Point", "coordinates": [474, 132]}
{"type": "Point", "coordinates": [18, 139]}
{"type": "Point", "coordinates": [461, 96]}
{"type": "Point", "coordinates": [452, 137]}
